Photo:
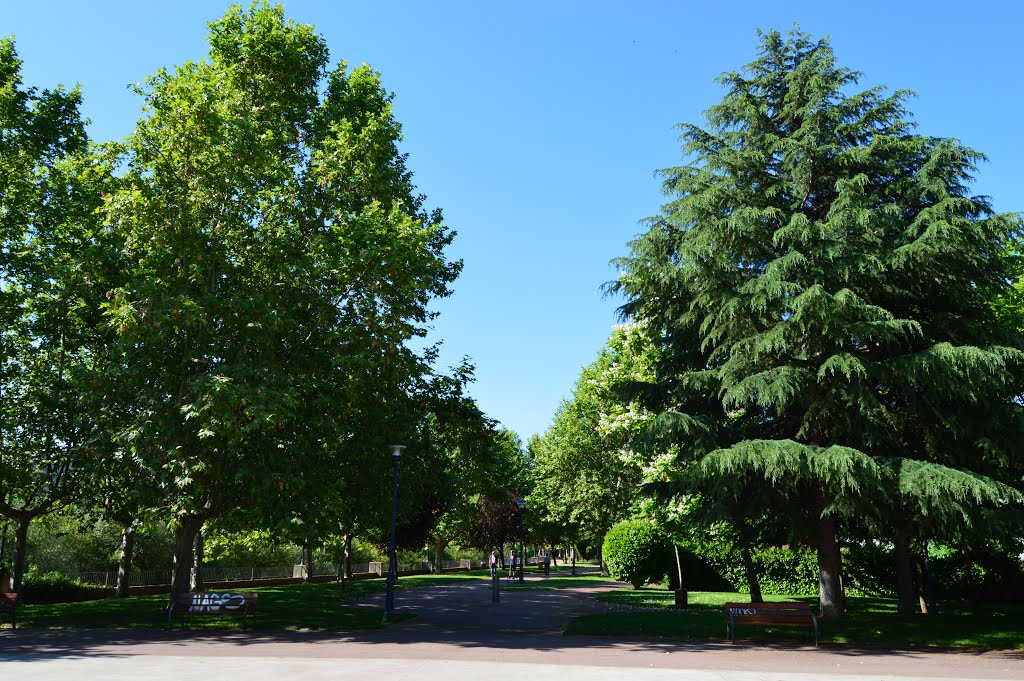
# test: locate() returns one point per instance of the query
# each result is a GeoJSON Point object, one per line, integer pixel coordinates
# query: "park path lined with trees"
{"type": "Point", "coordinates": [216, 327]}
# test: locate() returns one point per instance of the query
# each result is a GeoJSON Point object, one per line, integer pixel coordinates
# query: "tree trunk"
{"type": "Point", "coordinates": [923, 602]}
{"type": "Point", "coordinates": [437, 557]}
{"type": "Point", "coordinates": [348, 555]}
{"type": "Point", "coordinates": [600, 557]}
{"type": "Point", "coordinates": [308, 550]}
{"type": "Point", "coordinates": [554, 556]}
{"type": "Point", "coordinates": [20, 540]}
{"type": "Point", "coordinates": [198, 556]}
{"type": "Point", "coordinates": [184, 544]}
{"type": "Point", "coordinates": [573, 560]}
{"type": "Point", "coordinates": [830, 587]}
{"type": "Point", "coordinates": [973, 595]}
{"type": "Point", "coordinates": [124, 561]}
{"type": "Point", "coordinates": [904, 572]}
{"type": "Point", "coordinates": [753, 581]}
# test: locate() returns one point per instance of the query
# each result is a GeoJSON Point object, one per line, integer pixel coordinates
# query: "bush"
{"type": "Point", "coordinates": [637, 552]}
{"type": "Point", "coordinates": [53, 587]}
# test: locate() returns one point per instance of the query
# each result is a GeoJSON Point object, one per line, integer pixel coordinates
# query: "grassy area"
{"type": "Point", "coordinates": [292, 606]}
{"type": "Point", "coordinates": [870, 621]}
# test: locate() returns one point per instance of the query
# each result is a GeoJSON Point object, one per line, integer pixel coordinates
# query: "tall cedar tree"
{"type": "Point", "coordinates": [280, 260]}
{"type": "Point", "coordinates": [836, 273]}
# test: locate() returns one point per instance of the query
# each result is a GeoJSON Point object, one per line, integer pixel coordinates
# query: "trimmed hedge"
{"type": "Point", "coordinates": [868, 570]}
{"type": "Point", "coordinates": [636, 551]}
{"type": "Point", "coordinates": [53, 587]}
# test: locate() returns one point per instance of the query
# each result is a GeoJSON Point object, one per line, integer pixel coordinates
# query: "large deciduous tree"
{"type": "Point", "coordinates": [280, 261]}
{"type": "Point", "coordinates": [835, 271]}
{"type": "Point", "coordinates": [54, 258]}
{"type": "Point", "coordinates": [587, 472]}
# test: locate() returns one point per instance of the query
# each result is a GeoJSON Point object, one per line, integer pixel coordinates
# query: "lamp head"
{"type": "Point", "coordinates": [396, 450]}
{"type": "Point", "coordinates": [521, 503]}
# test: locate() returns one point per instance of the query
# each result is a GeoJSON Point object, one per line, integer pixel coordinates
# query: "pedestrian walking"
{"type": "Point", "coordinates": [492, 563]}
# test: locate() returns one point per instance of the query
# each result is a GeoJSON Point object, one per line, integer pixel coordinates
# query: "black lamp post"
{"type": "Point", "coordinates": [521, 503]}
{"type": "Point", "coordinates": [389, 599]}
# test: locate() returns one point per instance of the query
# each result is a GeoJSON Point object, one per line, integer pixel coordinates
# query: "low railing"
{"type": "Point", "coordinates": [240, 574]}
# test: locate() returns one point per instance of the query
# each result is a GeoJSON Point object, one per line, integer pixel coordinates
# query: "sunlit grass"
{"type": "Point", "coordinates": [869, 621]}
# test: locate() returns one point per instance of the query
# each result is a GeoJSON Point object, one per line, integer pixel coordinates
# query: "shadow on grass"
{"type": "Point", "coordinates": [868, 622]}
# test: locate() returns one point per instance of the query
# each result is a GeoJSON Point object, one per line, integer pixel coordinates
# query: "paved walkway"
{"type": "Point", "coordinates": [458, 633]}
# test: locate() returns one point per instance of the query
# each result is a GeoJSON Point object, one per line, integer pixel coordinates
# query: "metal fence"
{"type": "Point", "coordinates": [240, 574]}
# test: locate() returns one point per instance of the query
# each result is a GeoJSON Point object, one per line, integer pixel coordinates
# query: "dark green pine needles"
{"type": "Point", "coordinates": [822, 284]}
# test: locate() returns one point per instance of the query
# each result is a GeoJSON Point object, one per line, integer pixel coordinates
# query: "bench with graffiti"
{"type": "Point", "coordinates": [770, 614]}
{"type": "Point", "coordinates": [213, 604]}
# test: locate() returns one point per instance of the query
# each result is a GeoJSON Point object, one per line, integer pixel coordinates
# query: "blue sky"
{"type": "Point", "coordinates": [537, 126]}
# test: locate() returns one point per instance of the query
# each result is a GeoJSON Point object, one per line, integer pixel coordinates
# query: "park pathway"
{"type": "Point", "coordinates": [459, 634]}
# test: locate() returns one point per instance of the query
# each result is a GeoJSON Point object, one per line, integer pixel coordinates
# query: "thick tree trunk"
{"type": "Point", "coordinates": [198, 556]}
{"type": "Point", "coordinates": [922, 601]}
{"type": "Point", "coordinates": [904, 572]}
{"type": "Point", "coordinates": [308, 550]}
{"type": "Point", "coordinates": [753, 581]}
{"type": "Point", "coordinates": [20, 540]}
{"type": "Point", "coordinates": [573, 560]}
{"type": "Point", "coordinates": [973, 595]}
{"type": "Point", "coordinates": [830, 586]}
{"type": "Point", "coordinates": [184, 545]}
{"type": "Point", "coordinates": [554, 555]}
{"type": "Point", "coordinates": [437, 557]}
{"type": "Point", "coordinates": [124, 561]}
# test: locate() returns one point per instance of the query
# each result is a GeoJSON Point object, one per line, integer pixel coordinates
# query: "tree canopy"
{"type": "Point", "coordinates": [825, 268]}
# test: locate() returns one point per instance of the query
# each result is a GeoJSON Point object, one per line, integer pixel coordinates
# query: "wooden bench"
{"type": "Point", "coordinates": [769, 614]}
{"type": "Point", "coordinates": [9, 603]}
{"type": "Point", "coordinates": [213, 604]}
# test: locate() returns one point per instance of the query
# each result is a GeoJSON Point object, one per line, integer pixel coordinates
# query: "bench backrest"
{"type": "Point", "coordinates": [216, 603]}
{"type": "Point", "coordinates": [767, 609]}
{"type": "Point", "coordinates": [8, 601]}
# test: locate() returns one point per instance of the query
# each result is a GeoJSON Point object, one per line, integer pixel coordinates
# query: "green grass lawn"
{"type": "Point", "coordinates": [291, 606]}
{"type": "Point", "coordinates": [870, 621]}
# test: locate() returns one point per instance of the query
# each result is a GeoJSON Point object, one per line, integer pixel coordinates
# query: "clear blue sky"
{"type": "Point", "coordinates": [537, 126]}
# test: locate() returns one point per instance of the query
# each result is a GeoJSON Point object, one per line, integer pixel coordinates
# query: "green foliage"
{"type": "Point", "coordinates": [54, 587]}
{"type": "Point", "coordinates": [584, 465]}
{"type": "Point", "coordinates": [637, 551]}
{"type": "Point", "coordinates": [820, 287]}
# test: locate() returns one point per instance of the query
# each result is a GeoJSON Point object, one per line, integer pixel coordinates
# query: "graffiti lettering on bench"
{"type": "Point", "coordinates": [216, 602]}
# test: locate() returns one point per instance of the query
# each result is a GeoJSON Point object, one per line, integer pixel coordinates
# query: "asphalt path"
{"type": "Point", "coordinates": [459, 634]}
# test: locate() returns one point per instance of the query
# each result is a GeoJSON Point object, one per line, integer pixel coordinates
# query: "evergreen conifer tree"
{"type": "Point", "coordinates": [835, 272]}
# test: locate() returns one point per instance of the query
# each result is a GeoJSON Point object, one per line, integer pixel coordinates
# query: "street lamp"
{"type": "Point", "coordinates": [389, 599]}
{"type": "Point", "coordinates": [521, 503]}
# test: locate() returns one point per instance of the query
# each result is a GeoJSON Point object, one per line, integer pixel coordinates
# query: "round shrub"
{"type": "Point", "coordinates": [637, 552]}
